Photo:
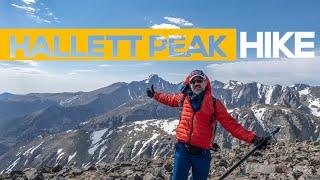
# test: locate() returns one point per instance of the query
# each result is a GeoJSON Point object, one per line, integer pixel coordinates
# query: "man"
{"type": "Point", "coordinates": [194, 134]}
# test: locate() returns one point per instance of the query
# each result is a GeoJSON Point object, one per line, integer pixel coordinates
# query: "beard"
{"type": "Point", "coordinates": [197, 89]}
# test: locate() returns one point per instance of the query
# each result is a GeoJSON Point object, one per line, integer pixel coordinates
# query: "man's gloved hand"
{"type": "Point", "coordinates": [262, 142]}
{"type": "Point", "coordinates": [150, 91]}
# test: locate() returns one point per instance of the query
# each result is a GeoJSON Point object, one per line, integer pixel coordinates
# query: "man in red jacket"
{"type": "Point", "coordinates": [194, 133]}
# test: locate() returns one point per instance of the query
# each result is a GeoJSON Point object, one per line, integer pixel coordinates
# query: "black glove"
{"type": "Point", "coordinates": [185, 89]}
{"type": "Point", "coordinates": [262, 142]}
{"type": "Point", "coordinates": [150, 91]}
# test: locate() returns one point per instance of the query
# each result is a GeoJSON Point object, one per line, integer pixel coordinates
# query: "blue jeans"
{"type": "Point", "coordinates": [183, 161]}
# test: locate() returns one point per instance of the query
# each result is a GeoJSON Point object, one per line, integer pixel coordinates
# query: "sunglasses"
{"type": "Point", "coordinates": [197, 81]}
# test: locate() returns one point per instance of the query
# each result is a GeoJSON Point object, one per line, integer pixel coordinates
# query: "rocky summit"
{"type": "Point", "coordinates": [298, 160]}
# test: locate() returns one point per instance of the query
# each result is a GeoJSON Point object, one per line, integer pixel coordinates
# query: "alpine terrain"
{"type": "Point", "coordinates": [117, 125]}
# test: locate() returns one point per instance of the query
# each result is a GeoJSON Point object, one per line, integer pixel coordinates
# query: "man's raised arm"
{"type": "Point", "coordinates": [165, 98]}
{"type": "Point", "coordinates": [231, 125]}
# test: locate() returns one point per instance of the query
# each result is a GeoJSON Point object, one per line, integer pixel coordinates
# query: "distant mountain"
{"type": "Point", "coordinates": [10, 109]}
{"type": "Point", "coordinates": [94, 103]}
{"type": "Point", "coordinates": [6, 96]}
{"type": "Point", "coordinates": [46, 121]}
{"type": "Point", "coordinates": [119, 122]}
{"type": "Point", "coordinates": [129, 91]}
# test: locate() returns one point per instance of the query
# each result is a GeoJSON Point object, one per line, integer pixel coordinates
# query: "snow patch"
{"type": "Point", "coordinates": [305, 91]}
{"type": "Point", "coordinates": [18, 153]}
{"type": "Point", "coordinates": [59, 151]}
{"type": "Point", "coordinates": [134, 147]}
{"type": "Point", "coordinates": [25, 163]}
{"type": "Point", "coordinates": [286, 111]}
{"type": "Point", "coordinates": [101, 158]}
{"type": "Point", "coordinates": [153, 148]}
{"type": "Point", "coordinates": [129, 92]}
{"type": "Point", "coordinates": [258, 113]}
{"type": "Point", "coordinates": [259, 90]}
{"type": "Point", "coordinates": [96, 136]}
{"type": "Point", "coordinates": [13, 165]}
{"type": "Point", "coordinates": [142, 125]}
{"type": "Point", "coordinates": [102, 150]}
{"type": "Point", "coordinates": [60, 154]}
{"type": "Point", "coordinates": [169, 126]}
{"type": "Point", "coordinates": [315, 107]}
{"type": "Point", "coordinates": [68, 101]}
{"type": "Point", "coordinates": [32, 149]}
{"type": "Point", "coordinates": [232, 84]}
{"type": "Point", "coordinates": [268, 94]}
{"type": "Point", "coordinates": [121, 150]}
{"type": "Point", "coordinates": [70, 131]}
{"type": "Point", "coordinates": [96, 140]}
{"type": "Point", "coordinates": [93, 149]}
{"type": "Point", "coordinates": [72, 156]}
{"type": "Point", "coordinates": [85, 122]}
{"type": "Point", "coordinates": [154, 136]}
{"type": "Point", "coordinates": [166, 125]}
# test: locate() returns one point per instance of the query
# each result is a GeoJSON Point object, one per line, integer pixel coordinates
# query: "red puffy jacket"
{"type": "Point", "coordinates": [196, 127]}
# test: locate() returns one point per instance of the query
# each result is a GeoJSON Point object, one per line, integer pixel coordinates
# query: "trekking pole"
{"type": "Point", "coordinates": [274, 131]}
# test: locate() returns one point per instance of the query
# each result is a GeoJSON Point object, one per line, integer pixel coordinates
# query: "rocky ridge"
{"type": "Point", "coordinates": [299, 160]}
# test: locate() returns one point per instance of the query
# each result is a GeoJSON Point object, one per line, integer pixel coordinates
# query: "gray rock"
{"type": "Point", "coordinates": [57, 168]}
{"type": "Point", "coordinates": [33, 174]}
{"type": "Point", "coordinates": [296, 173]}
{"type": "Point", "coordinates": [260, 168]}
{"type": "Point", "coordinates": [148, 176]}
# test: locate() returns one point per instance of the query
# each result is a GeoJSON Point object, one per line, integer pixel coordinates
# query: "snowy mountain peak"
{"type": "Point", "coordinates": [232, 84]}
{"type": "Point", "coordinates": [156, 80]}
{"type": "Point", "coordinates": [299, 87]}
{"type": "Point", "coordinates": [152, 78]}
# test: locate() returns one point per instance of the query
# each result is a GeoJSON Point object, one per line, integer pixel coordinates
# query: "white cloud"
{"type": "Point", "coordinates": [136, 65]}
{"type": "Point", "coordinates": [144, 64]}
{"type": "Point", "coordinates": [84, 70]}
{"type": "Point", "coordinates": [178, 21]}
{"type": "Point", "coordinates": [29, 1]}
{"type": "Point", "coordinates": [73, 73]}
{"type": "Point", "coordinates": [21, 68]}
{"type": "Point", "coordinates": [81, 71]}
{"type": "Point", "coordinates": [50, 14]}
{"type": "Point", "coordinates": [38, 12]}
{"type": "Point", "coordinates": [173, 23]}
{"type": "Point", "coordinates": [5, 64]}
{"type": "Point", "coordinates": [165, 26]}
{"type": "Point", "coordinates": [39, 19]}
{"type": "Point", "coordinates": [285, 72]}
{"type": "Point", "coordinates": [23, 77]}
{"type": "Point", "coordinates": [22, 71]}
{"type": "Point", "coordinates": [30, 62]}
{"type": "Point", "coordinates": [105, 65]}
{"type": "Point", "coordinates": [22, 80]}
{"type": "Point", "coordinates": [25, 8]}
{"type": "Point", "coordinates": [24, 63]}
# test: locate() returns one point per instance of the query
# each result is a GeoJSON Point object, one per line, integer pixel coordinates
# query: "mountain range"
{"type": "Point", "coordinates": [119, 123]}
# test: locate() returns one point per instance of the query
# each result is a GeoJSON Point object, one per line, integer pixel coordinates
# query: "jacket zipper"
{"type": "Point", "coordinates": [192, 127]}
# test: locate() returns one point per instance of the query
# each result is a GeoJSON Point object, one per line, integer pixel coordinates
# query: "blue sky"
{"type": "Point", "coordinates": [251, 16]}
